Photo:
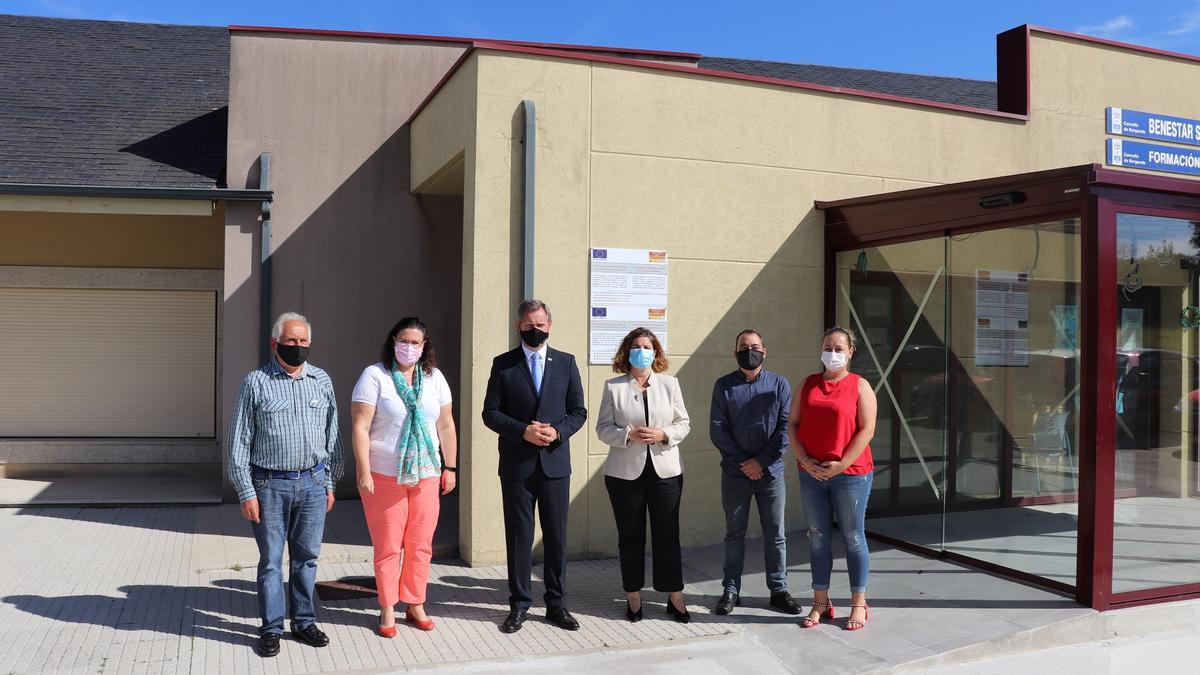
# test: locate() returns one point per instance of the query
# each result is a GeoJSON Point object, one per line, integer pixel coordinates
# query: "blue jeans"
{"type": "Point", "coordinates": [736, 493]}
{"type": "Point", "coordinates": [291, 511]}
{"type": "Point", "coordinates": [846, 496]}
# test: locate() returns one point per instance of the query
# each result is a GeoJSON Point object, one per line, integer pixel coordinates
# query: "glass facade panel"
{"type": "Point", "coordinates": [1156, 531]}
{"type": "Point", "coordinates": [893, 297]}
{"type": "Point", "coordinates": [971, 342]}
{"type": "Point", "coordinates": [1013, 373]}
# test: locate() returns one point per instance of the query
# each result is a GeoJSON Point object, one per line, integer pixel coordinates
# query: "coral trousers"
{"type": "Point", "coordinates": [401, 520]}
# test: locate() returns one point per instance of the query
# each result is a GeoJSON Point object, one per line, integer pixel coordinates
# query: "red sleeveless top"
{"type": "Point", "coordinates": [829, 419]}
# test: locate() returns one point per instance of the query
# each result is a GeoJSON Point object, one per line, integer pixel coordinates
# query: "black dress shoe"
{"type": "Point", "coordinates": [783, 602]}
{"type": "Point", "coordinates": [311, 635]}
{"type": "Point", "coordinates": [728, 601]}
{"type": "Point", "coordinates": [633, 616]}
{"type": "Point", "coordinates": [559, 616]}
{"type": "Point", "coordinates": [513, 622]}
{"type": "Point", "coordinates": [679, 616]}
{"type": "Point", "coordinates": [268, 645]}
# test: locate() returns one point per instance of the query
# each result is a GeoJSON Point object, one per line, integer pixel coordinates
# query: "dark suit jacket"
{"type": "Point", "coordinates": [511, 404]}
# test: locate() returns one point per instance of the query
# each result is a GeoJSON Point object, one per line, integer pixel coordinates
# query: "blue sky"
{"type": "Point", "coordinates": [944, 37]}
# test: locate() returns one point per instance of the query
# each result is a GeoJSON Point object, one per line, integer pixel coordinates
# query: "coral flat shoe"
{"type": "Point", "coordinates": [425, 624]}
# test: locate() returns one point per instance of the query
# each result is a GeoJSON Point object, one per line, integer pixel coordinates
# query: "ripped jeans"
{"type": "Point", "coordinates": [846, 496]}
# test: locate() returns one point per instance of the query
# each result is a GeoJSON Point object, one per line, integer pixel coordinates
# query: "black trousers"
{"type": "Point", "coordinates": [551, 496]}
{"type": "Point", "coordinates": [631, 501]}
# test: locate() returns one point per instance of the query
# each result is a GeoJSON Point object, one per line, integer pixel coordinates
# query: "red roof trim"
{"type": "Point", "coordinates": [462, 58]}
{"type": "Point", "coordinates": [692, 70]}
{"type": "Point", "coordinates": [461, 40]}
{"type": "Point", "coordinates": [1114, 43]}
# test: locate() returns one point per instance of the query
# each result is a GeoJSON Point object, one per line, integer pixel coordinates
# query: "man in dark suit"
{"type": "Point", "coordinates": [535, 403]}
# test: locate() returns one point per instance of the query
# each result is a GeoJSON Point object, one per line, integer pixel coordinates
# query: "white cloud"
{"type": "Point", "coordinates": [1107, 29]}
{"type": "Point", "coordinates": [1189, 22]}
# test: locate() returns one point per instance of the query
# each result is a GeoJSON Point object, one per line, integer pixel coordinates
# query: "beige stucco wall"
{"type": "Point", "coordinates": [722, 174]}
{"type": "Point", "coordinates": [353, 248]}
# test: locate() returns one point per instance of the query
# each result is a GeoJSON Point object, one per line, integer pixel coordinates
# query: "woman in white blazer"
{"type": "Point", "coordinates": [642, 419]}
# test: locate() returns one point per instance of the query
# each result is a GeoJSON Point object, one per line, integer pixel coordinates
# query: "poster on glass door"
{"type": "Point", "coordinates": [1001, 318]}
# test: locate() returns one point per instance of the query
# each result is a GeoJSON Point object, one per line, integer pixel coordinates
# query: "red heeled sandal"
{"type": "Point", "coordinates": [861, 624]}
{"type": "Point", "coordinates": [808, 622]}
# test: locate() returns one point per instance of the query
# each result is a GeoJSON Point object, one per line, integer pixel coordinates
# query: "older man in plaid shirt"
{"type": "Point", "coordinates": [285, 457]}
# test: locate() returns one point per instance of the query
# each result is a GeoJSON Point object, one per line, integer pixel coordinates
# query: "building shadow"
{"type": "Point", "coordinates": [371, 253]}
{"type": "Point", "coordinates": [196, 146]}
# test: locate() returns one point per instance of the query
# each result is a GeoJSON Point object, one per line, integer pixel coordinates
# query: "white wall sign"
{"type": "Point", "coordinates": [628, 290]}
{"type": "Point", "coordinates": [1001, 318]}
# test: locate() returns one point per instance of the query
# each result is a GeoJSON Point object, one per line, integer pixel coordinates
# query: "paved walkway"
{"type": "Point", "coordinates": [171, 589]}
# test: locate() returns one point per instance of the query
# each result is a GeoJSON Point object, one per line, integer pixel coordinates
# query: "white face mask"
{"type": "Point", "coordinates": [834, 361]}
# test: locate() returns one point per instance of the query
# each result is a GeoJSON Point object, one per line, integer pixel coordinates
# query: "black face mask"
{"type": "Point", "coordinates": [749, 359]}
{"type": "Point", "coordinates": [534, 337]}
{"type": "Point", "coordinates": [293, 355]}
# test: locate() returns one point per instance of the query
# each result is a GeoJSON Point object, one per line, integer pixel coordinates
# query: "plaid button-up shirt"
{"type": "Point", "coordinates": [284, 423]}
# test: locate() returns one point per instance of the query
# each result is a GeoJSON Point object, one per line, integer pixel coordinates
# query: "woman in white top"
{"type": "Point", "coordinates": [643, 420]}
{"type": "Point", "coordinates": [406, 449]}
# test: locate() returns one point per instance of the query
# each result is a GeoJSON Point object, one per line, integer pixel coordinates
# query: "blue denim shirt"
{"type": "Point", "coordinates": [749, 420]}
{"type": "Point", "coordinates": [285, 424]}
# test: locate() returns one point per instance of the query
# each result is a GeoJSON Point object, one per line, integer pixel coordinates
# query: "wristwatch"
{"type": "Point", "coordinates": [451, 469]}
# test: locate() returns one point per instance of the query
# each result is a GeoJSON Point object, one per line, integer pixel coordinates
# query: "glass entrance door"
{"type": "Point", "coordinates": [1013, 300]}
{"type": "Point", "coordinates": [971, 342]}
{"type": "Point", "coordinates": [1156, 528]}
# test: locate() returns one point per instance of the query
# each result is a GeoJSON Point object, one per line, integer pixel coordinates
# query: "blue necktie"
{"type": "Point", "coordinates": [535, 368]}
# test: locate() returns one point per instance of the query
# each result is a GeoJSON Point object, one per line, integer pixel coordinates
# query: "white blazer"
{"type": "Point", "coordinates": [622, 409]}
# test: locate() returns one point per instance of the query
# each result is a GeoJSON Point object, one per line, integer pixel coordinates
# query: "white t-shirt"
{"type": "Point", "coordinates": [375, 387]}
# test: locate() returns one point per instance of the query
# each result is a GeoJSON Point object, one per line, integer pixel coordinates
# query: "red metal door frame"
{"type": "Point", "coordinates": [1110, 203]}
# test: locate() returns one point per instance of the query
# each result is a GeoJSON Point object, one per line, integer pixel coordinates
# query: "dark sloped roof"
{"type": "Point", "coordinates": [112, 104]}
{"type": "Point", "coordinates": [973, 93]}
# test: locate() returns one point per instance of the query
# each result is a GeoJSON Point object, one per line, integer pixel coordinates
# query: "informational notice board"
{"type": "Point", "coordinates": [1001, 318]}
{"type": "Point", "coordinates": [628, 290]}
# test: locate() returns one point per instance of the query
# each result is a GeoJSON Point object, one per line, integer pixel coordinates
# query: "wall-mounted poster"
{"type": "Point", "coordinates": [628, 290]}
{"type": "Point", "coordinates": [1001, 318]}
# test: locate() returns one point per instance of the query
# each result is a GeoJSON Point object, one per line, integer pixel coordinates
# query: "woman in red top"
{"type": "Point", "coordinates": [832, 421]}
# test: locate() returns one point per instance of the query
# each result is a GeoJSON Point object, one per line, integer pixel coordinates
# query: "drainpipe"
{"type": "Point", "coordinates": [264, 261]}
{"type": "Point", "coordinates": [530, 142]}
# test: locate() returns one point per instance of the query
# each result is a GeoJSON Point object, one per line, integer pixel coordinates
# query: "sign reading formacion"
{"type": "Point", "coordinates": [1153, 126]}
{"type": "Point", "coordinates": [628, 290]}
{"type": "Point", "coordinates": [1138, 155]}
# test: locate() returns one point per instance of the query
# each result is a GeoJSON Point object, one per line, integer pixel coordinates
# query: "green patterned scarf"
{"type": "Point", "coordinates": [415, 454]}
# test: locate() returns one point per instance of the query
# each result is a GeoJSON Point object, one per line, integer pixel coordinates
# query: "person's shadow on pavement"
{"type": "Point", "coordinates": [225, 611]}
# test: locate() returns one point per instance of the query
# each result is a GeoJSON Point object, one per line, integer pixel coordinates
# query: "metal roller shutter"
{"type": "Point", "coordinates": [107, 362]}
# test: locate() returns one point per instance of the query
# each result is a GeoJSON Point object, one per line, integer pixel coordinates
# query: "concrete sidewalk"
{"type": "Point", "coordinates": [171, 589]}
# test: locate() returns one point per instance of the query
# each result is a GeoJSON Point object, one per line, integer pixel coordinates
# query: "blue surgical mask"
{"type": "Point", "coordinates": [640, 357]}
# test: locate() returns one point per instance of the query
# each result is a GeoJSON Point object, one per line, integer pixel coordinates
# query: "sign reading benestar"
{"type": "Point", "coordinates": [1153, 126]}
{"type": "Point", "coordinates": [1152, 156]}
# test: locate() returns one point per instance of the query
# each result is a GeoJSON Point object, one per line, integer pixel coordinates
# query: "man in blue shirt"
{"type": "Point", "coordinates": [748, 424]}
{"type": "Point", "coordinates": [285, 456]}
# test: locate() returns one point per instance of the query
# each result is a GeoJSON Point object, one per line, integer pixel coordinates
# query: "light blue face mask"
{"type": "Point", "coordinates": [640, 357]}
